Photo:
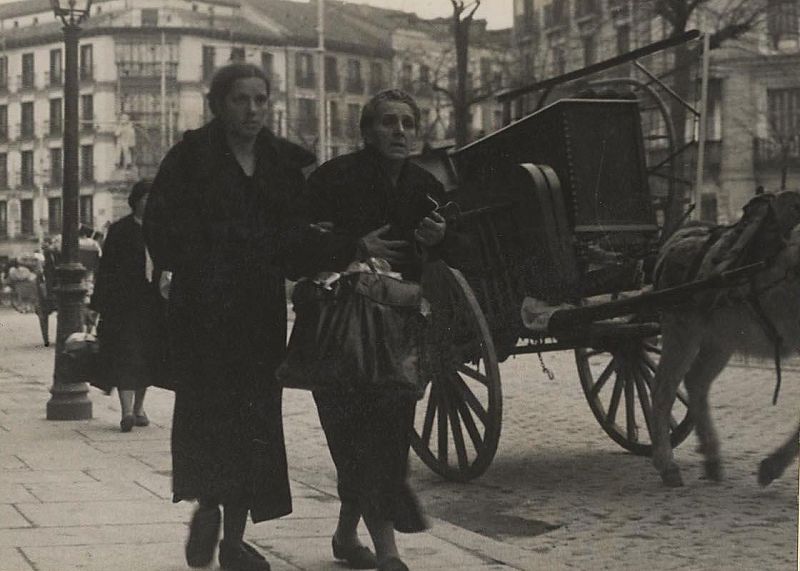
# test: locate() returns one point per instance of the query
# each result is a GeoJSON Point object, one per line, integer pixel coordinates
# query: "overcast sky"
{"type": "Point", "coordinates": [497, 12]}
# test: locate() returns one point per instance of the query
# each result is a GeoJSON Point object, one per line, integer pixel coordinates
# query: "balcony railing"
{"type": "Point", "coordinates": [26, 131]}
{"type": "Point", "coordinates": [777, 152]}
{"type": "Point", "coordinates": [26, 81]}
{"type": "Point", "coordinates": [54, 79]}
{"type": "Point", "coordinates": [135, 69]}
{"type": "Point", "coordinates": [585, 8]}
{"type": "Point", "coordinates": [307, 125]}
{"type": "Point", "coordinates": [86, 72]}
{"type": "Point", "coordinates": [332, 82]}
{"type": "Point", "coordinates": [305, 80]}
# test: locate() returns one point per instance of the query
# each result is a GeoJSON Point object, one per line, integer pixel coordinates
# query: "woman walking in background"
{"type": "Point", "coordinates": [127, 299]}
{"type": "Point", "coordinates": [218, 220]}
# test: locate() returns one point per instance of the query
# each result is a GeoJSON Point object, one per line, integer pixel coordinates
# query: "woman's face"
{"type": "Point", "coordinates": [394, 132]}
{"type": "Point", "coordinates": [244, 108]}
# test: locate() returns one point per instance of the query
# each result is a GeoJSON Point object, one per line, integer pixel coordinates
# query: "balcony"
{"type": "Point", "coordinates": [26, 131]}
{"type": "Point", "coordinates": [26, 81]}
{"type": "Point", "coordinates": [555, 14]}
{"type": "Point", "coordinates": [332, 82]}
{"type": "Point", "coordinates": [54, 79]}
{"type": "Point", "coordinates": [620, 9]}
{"type": "Point", "coordinates": [55, 128]}
{"type": "Point", "coordinates": [307, 125]}
{"type": "Point", "coordinates": [135, 69]}
{"type": "Point", "coordinates": [777, 153]}
{"type": "Point", "coordinates": [586, 9]}
{"type": "Point", "coordinates": [86, 72]}
{"type": "Point", "coordinates": [307, 81]}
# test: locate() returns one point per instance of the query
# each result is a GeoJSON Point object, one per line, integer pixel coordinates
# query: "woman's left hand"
{"type": "Point", "coordinates": [431, 230]}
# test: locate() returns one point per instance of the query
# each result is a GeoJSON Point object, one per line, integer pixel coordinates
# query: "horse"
{"type": "Point", "coordinates": [759, 317]}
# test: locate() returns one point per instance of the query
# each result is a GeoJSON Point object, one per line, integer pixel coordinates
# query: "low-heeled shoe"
{"type": "Point", "coordinates": [142, 420]}
{"type": "Point", "coordinates": [203, 536]}
{"type": "Point", "coordinates": [127, 423]}
{"type": "Point", "coordinates": [393, 564]}
{"type": "Point", "coordinates": [359, 557]}
{"type": "Point", "coordinates": [241, 557]}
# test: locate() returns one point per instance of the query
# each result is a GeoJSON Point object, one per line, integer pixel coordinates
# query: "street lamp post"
{"type": "Point", "coordinates": [69, 400]}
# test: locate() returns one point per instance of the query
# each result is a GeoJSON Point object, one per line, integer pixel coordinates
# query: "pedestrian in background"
{"type": "Point", "coordinates": [217, 219]}
{"type": "Point", "coordinates": [380, 206]}
{"type": "Point", "coordinates": [126, 297]}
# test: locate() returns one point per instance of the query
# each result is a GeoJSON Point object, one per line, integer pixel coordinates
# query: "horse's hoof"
{"type": "Point", "coordinates": [766, 472]}
{"type": "Point", "coordinates": [671, 477]}
{"type": "Point", "coordinates": [713, 470]}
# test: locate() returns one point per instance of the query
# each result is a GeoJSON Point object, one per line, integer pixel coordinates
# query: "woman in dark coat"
{"type": "Point", "coordinates": [127, 299]}
{"type": "Point", "coordinates": [380, 206]}
{"type": "Point", "coordinates": [218, 219]}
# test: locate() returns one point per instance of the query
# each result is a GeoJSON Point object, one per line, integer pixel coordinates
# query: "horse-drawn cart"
{"type": "Point", "coordinates": [559, 210]}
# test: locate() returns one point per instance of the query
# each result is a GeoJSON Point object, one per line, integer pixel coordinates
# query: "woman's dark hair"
{"type": "Point", "coordinates": [369, 113]}
{"type": "Point", "coordinates": [225, 77]}
{"type": "Point", "coordinates": [139, 189]}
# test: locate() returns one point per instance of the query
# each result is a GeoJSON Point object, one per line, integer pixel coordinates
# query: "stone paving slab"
{"type": "Point", "coordinates": [127, 534]}
{"type": "Point", "coordinates": [52, 492]}
{"type": "Point", "coordinates": [12, 560]}
{"type": "Point", "coordinates": [13, 493]}
{"type": "Point", "coordinates": [11, 518]}
{"type": "Point", "coordinates": [110, 512]}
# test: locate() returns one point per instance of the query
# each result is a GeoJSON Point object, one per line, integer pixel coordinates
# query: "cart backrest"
{"type": "Point", "coordinates": [595, 148]}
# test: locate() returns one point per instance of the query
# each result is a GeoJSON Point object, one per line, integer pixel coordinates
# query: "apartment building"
{"type": "Point", "coordinates": [145, 68]}
{"type": "Point", "coordinates": [753, 108]}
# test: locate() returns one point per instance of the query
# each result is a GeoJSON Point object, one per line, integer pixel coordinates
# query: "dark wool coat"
{"type": "Point", "coordinates": [355, 193]}
{"type": "Point", "coordinates": [227, 238]}
{"type": "Point", "coordinates": [130, 308]}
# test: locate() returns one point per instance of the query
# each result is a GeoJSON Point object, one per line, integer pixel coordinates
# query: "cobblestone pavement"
{"type": "Point", "coordinates": [561, 495]}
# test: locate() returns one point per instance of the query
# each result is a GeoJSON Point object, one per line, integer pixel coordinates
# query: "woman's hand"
{"type": "Point", "coordinates": [431, 230]}
{"type": "Point", "coordinates": [373, 246]}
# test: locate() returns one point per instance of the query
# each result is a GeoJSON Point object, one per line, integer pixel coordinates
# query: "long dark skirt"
{"type": "Point", "coordinates": [369, 439]}
{"type": "Point", "coordinates": [227, 428]}
{"type": "Point", "coordinates": [129, 349]}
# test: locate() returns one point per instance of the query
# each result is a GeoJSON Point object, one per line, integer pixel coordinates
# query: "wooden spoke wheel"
{"type": "Point", "coordinates": [618, 383]}
{"type": "Point", "coordinates": [457, 425]}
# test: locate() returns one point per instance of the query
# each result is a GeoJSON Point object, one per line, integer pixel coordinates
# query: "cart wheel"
{"type": "Point", "coordinates": [457, 425]}
{"type": "Point", "coordinates": [618, 383]}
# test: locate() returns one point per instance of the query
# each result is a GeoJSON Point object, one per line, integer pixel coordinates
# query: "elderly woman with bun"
{"type": "Point", "coordinates": [219, 219]}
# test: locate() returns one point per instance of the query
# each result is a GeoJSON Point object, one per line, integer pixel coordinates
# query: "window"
{"type": "Point", "coordinates": [353, 116]}
{"type": "Point", "coordinates": [354, 82]}
{"type": "Point", "coordinates": [209, 57]}
{"type": "Point", "coordinates": [336, 121]}
{"type": "Point", "coordinates": [26, 176]}
{"type": "Point", "coordinates": [708, 207]}
{"type": "Point", "coordinates": [3, 219]}
{"type": "Point", "coordinates": [54, 215]}
{"type": "Point", "coordinates": [376, 79]}
{"type": "Point", "coordinates": [307, 115]}
{"type": "Point", "coordinates": [524, 15]}
{"type": "Point", "coordinates": [555, 13]}
{"type": "Point", "coordinates": [331, 74]}
{"type": "Point", "coordinates": [87, 112]}
{"type": "Point", "coordinates": [585, 8]}
{"type": "Point", "coordinates": [3, 72]}
{"type": "Point", "coordinates": [623, 34]}
{"type": "Point", "coordinates": [87, 163]}
{"type": "Point", "coordinates": [86, 210]}
{"type": "Point", "coordinates": [267, 63]}
{"type": "Point", "coordinates": [3, 170]}
{"type": "Point", "coordinates": [149, 17]}
{"type": "Point", "coordinates": [86, 62]}
{"type": "Point", "coordinates": [782, 20]}
{"type": "Point", "coordinates": [56, 72]}
{"type": "Point", "coordinates": [304, 70]}
{"type": "Point", "coordinates": [56, 117]}
{"type": "Point", "coordinates": [237, 55]}
{"type": "Point", "coordinates": [27, 70]}
{"type": "Point", "coordinates": [56, 167]}
{"type": "Point", "coordinates": [26, 126]}
{"type": "Point", "coordinates": [3, 122]}
{"type": "Point", "coordinates": [406, 79]}
{"type": "Point", "coordinates": [26, 216]}
{"type": "Point", "coordinates": [783, 115]}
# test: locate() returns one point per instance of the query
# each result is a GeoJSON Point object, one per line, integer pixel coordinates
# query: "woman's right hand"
{"type": "Point", "coordinates": [374, 246]}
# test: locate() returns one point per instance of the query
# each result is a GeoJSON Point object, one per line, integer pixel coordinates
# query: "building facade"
{"type": "Point", "coordinates": [753, 107]}
{"type": "Point", "coordinates": [145, 68]}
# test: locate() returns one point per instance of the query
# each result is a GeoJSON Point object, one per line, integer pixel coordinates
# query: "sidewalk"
{"type": "Point", "coordinates": [82, 495]}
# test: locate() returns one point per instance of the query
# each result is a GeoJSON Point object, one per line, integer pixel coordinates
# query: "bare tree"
{"type": "Point", "coordinates": [733, 18]}
{"type": "Point", "coordinates": [463, 14]}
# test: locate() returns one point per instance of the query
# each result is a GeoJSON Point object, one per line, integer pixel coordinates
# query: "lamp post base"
{"type": "Point", "coordinates": [69, 402]}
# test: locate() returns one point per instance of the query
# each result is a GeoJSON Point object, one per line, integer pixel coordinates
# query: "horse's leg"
{"type": "Point", "coordinates": [710, 362]}
{"type": "Point", "coordinates": [773, 465]}
{"type": "Point", "coordinates": [680, 342]}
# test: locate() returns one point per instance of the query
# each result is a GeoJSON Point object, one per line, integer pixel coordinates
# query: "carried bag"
{"type": "Point", "coordinates": [363, 332]}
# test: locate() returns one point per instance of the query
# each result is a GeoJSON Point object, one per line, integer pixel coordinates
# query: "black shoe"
{"type": "Point", "coordinates": [241, 557]}
{"type": "Point", "coordinates": [127, 423]}
{"type": "Point", "coordinates": [203, 535]}
{"type": "Point", "coordinates": [393, 564]}
{"type": "Point", "coordinates": [359, 557]}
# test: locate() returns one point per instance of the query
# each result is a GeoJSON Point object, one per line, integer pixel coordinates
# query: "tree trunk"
{"type": "Point", "coordinates": [460, 101]}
